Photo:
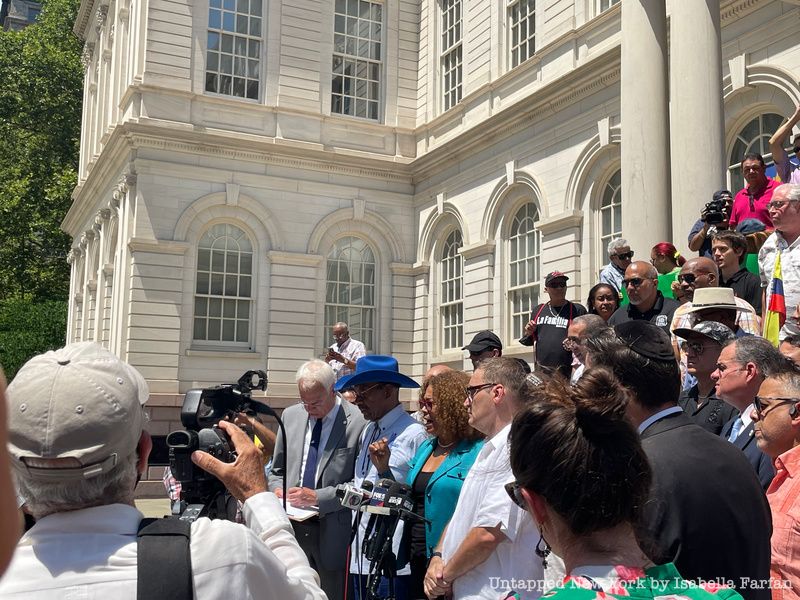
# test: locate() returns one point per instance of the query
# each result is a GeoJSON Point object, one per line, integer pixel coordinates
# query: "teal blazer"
{"type": "Point", "coordinates": [444, 487]}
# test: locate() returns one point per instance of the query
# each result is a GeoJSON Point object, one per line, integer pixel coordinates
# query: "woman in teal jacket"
{"type": "Point", "coordinates": [439, 467]}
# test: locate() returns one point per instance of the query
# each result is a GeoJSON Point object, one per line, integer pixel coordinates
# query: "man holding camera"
{"type": "Point", "coordinates": [78, 447]}
{"type": "Point", "coordinates": [714, 217]}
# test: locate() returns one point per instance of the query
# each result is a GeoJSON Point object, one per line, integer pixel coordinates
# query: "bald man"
{"type": "Point", "coordinates": [646, 302]}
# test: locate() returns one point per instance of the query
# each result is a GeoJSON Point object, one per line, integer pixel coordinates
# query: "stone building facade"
{"type": "Point", "coordinates": [252, 171]}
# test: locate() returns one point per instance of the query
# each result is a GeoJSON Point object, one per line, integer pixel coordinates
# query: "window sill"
{"type": "Point", "coordinates": [224, 353]}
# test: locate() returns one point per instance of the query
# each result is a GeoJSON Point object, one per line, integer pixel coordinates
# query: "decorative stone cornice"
{"type": "Point", "coordinates": [560, 222]}
{"type": "Point", "coordinates": [100, 17]}
{"type": "Point", "coordinates": [294, 258]}
{"type": "Point", "coordinates": [421, 268]}
{"type": "Point", "coordinates": [104, 214]}
{"type": "Point", "coordinates": [402, 269]}
{"type": "Point", "coordinates": [158, 246]}
{"type": "Point", "coordinates": [479, 249]}
{"type": "Point", "coordinates": [738, 9]}
{"type": "Point", "coordinates": [86, 55]}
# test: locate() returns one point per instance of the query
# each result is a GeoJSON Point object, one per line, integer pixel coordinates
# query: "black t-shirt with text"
{"type": "Point", "coordinates": [551, 331]}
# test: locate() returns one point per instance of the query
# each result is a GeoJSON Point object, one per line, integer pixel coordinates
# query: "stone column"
{"type": "Point", "coordinates": [644, 104]}
{"type": "Point", "coordinates": [697, 127]}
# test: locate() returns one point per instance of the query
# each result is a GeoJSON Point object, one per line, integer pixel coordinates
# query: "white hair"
{"type": "Point", "coordinates": [616, 244]}
{"type": "Point", "coordinates": [44, 498]}
{"type": "Point", "coordinates": [792, 191]}
{"type": "Point", "coordinates": [313, 373]}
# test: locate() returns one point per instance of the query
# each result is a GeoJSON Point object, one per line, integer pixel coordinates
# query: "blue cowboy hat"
{"type": "Point", "coordinates": [376, 368]}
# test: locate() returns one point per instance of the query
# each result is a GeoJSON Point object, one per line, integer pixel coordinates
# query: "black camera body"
{"type": "Point", "coordinates": [714, 212]}
{"type": "Point", "coordinates": [202, 410]}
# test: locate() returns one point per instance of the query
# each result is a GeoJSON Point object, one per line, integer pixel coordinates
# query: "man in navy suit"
{"type": "Point", "coordinates": [707, 512]}
{"type": "Point", "coordinates": [742, 366]}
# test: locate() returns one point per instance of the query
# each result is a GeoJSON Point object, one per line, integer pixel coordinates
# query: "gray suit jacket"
{"type": "Point", "coordinates": [336, 466]}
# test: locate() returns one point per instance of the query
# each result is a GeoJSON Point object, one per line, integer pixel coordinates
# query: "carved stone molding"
{"type": "Point", "coordinates": [86, 55]}
{"type": "Point", "coordinates": [100, 18]}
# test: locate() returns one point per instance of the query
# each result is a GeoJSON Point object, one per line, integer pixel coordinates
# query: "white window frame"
{"type": "Point", "coordinates": [603, 5]}
{"type": "Point", "coordinates": [343, 310]}
{"type": "Point", "coordinates": [612, 190]}
{"type": "Point", "coordinates": [451, 54]}
{"type": "Point", "coordinates": [451, 300]}
{"type": "Point", "coordinates": [200, 297]}
{"type": "Point", "coordinates": [358, 62]}
{"type": "Point", "coordinates": [524, 288]}
{"type": "Point", "coordinates": [521, 49]}
{"type": "Point", "coordinates": [243, 47]}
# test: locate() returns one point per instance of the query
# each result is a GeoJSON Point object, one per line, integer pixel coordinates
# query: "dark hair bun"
{"type": "Point", "coordinates": [600, 402]}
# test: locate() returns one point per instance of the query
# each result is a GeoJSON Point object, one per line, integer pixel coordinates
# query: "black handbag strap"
{"type": "Point", "coordinates": [164, 564]}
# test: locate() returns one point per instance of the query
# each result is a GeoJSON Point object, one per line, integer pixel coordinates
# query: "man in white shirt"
{"type": "Point", "coordinates": [345, 352]}
{"type": "Point", "coordinates": [78, 447]}
{"type": "Point", "coordinates": [376, 382]}
{"type": "Point", "coordinates": [489, 540]}
{"type": "Point", "coordinates": [322, 433]}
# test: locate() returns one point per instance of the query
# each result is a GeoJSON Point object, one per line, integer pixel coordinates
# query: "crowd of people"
{"type": "Point", "coordinates": [653, 449]}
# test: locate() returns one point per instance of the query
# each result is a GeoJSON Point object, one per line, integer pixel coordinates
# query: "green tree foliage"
{"type": "Point", "coordinates": [40, 114]}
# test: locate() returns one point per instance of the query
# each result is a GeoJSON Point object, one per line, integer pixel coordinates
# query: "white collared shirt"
{"type": "Point", "coordinates": [351, 350]}
{"type": "Point", "coordinates": [483, 502]}
{"type": "Point", "coordinates": [327, 426]}
{"type": "Point", "coordinates": [790, 271]}
{"type": "Point", "coordinates": [90, 554]}
{"type": "Point", "coordinates": [405, 436]}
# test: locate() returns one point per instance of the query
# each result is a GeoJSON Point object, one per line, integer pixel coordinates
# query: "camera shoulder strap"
{"type": "Point", "coordinates": [164, 564]}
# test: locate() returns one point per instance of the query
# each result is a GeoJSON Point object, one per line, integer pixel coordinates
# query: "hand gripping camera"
{"type": "Point", "coordinates": [202, 494]}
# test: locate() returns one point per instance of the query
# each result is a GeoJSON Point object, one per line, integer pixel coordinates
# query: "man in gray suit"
{"type": "Point", "coordinates": [322, 443]}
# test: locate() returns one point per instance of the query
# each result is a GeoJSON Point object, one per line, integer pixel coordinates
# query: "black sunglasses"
{"type": "Point", "coordinates": [624, 255]}
{"type": "Point", "coordinates": [761, 410]}
{"type": "Point", "coordinates": [634, 281]}
{"type": "Point", "coordinates": [514, 491]}
{"type": "Point", "coordinates": [689, 278]}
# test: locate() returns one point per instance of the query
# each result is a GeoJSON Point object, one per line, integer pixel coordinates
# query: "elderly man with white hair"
{"type": "Point", "coordinates": [78, 446]}
{"type": "Point", "coordinates": [620, 255]}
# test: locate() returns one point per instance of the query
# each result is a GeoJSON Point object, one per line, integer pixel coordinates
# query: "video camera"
{"type": "Point", "coordinates": [202, 494]}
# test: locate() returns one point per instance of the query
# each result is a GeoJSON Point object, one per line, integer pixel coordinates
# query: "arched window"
{"type": "Point", "coordinates": [451, 306]}
{"type": "Point", "coordinates": [524, 261]}
{"type": "Point", "coordinates": [610, 214]}
{"type": "Point", "coordinates": [753, 138]}
{"type": "Point", "coordinates": [350, 290]}
{"type": "Point", "coordinates": [223, 294]}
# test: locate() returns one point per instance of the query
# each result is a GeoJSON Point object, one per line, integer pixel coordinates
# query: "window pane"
{"type": "Point", "coordinates": [241, 22]}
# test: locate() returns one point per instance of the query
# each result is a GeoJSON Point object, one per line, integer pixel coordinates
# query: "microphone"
{"type": "Point", "coordinates": [376, 504]}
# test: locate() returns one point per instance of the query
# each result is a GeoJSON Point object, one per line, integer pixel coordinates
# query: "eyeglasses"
{"type": "Point", "coordinates": [688, 278]}
{"type": "Point", "coordinates": [363, 393]}
{"type": "Point", "coordinates": [423, 403]}
{"type": "Point", "coordinates": [471, 390]}
{"type": "Point", "coordinates": [777, 204]}
{"type": "Point", "coordinates": [514, 491]}
{"type": "Point", "coordinates": [722, 368]}
{"type": "Point", "coordinates": [557, 284]}
{"type": "Point", "coordinates": [761, 410]}
{"type": "Point", "coordinates": [695, 347]}
{"type": "Point", "coordinates": [624, 255]}
{"type": "Point", "coordinates": [634, 281]}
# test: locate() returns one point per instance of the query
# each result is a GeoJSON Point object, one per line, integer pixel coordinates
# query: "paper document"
{"type": "Point", "coordinates": [301, 514]}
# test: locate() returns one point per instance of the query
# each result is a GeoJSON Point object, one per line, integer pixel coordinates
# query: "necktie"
{"type": "Point", "coordinates": [365, 461]}
{"type": "Point", "coordinates": [737, 427]}
{"type": "Point", "coordinates": [310, 472]}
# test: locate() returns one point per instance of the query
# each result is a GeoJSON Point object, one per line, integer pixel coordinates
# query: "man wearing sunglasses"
{"type": "Point", "coordinates": [784, 210]}
{"type": "Point", "coordinates": [777, 430]}
{"type": "Point", "coordinates": [620, 255]}
{"type": "Point", "coordinates": [646, 302]}
{"type": "Point", "coordinates": [788, 171]}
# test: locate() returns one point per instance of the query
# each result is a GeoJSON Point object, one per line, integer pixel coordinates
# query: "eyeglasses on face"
{"type": "Point", "coordinates": [723, 368]}
{"type": "Point", "coordinates": [687, 278]}
{"type": "Point", "coordinates": [634, 281]}
{"type": "Point", "coordinates": [362, 394]}
{"type": "Point", "coordinates": [514, 491]}
{"type": "Point", "coordinates": [777, 204]}
{"type": "Point", "coordinates": [624, 255]}
{"type": "Point", "coordinates": [471, 390]}
{"type": "Point", "coordinates": [762, 409]}
{"type": "Point", "coordinates": [696, 347]}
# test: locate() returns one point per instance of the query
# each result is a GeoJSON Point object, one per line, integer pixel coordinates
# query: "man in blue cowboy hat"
{"type": "Point", "coordinates": [391, 431]}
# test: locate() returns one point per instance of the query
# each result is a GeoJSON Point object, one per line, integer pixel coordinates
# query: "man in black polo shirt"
{"type": "Point", "coordinates": [548, 326]}
{"type": "Point", "coordinates": [646, 302]}
{"type": "Point", "coordinates": [729, 249]}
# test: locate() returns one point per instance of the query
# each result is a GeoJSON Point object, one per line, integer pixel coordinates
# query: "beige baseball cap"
{"type": "Point", "coordinates": [80, 403]}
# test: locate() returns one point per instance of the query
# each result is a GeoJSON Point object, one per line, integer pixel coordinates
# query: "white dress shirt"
{"type": "Point", "coordinates": [90, 554]}
{"type": "Point", "coordinates": [484, 503]}
{"type": "Point", "coordinates": [351, 350]}
{"type": "Point", "coordinates": [405, 436]}
{"type": "Point", "coordinates": [790, 272]}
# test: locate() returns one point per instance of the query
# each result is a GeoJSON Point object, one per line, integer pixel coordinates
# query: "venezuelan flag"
{"type": "Point", "coordinates": [776, 310]}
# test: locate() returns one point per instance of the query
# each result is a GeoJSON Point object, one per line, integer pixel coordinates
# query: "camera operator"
{"type": "Point", "coordinates": [78, 445]}
{"type": "Point", "coordinates": [714, 217]}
